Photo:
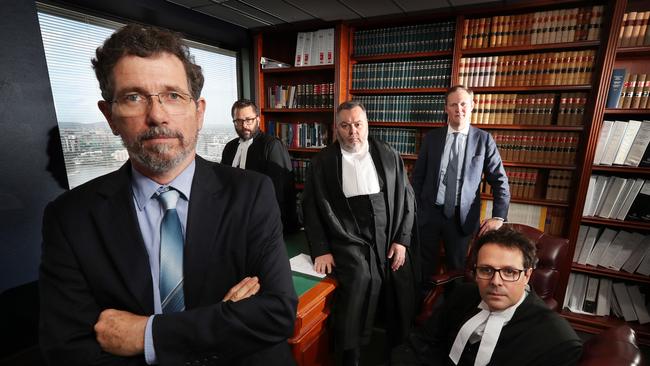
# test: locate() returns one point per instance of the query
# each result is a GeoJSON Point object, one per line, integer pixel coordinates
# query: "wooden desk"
{"type": "Point", "coordinates": [310, 343]}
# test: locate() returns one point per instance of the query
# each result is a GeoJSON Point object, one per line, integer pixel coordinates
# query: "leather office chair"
{"type": "Point", "coordinates": [615, 346]}
{"type": "Point", "coordinates": [551, 251]}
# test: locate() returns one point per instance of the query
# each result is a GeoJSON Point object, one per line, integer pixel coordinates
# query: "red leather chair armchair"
{"type": "Point", "coordinates": [615, 346]}
{"type": "Point", "coordinates": [551, 251]}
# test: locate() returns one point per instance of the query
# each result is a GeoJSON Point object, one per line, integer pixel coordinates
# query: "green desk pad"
{"type": "Point", "coordinates": [297, 243]}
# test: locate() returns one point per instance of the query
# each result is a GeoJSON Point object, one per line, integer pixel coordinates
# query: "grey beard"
{"type": "Point", "coordinates": [155, 158]}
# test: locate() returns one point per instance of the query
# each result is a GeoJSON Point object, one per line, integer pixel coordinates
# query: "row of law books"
{"type": "Point", "coordinates": [299, 135]}
{"type": "Point", "coordinates": [635, 30]}
{"type": "Point", "coordinates": [542, 27]}
{"type": "Point", "coordinates": [618, 198]}
{"type": "Point", "coordinates": [618, 250]}
{"type": "Point", "coordinates": [603, 297]}
{"type": "Point", "coordinates": [404, 39]}
{"type": "Point", "coordinates": [628, 90]}
{"type": "Point", "coordinates": [403, 140]}
{"type": "Point", "coordinates": [404, 108]}
{"type": "Point", "coordinates": [540, 147]}
{"type": "Point", "coordinates": [521, 182]}
{"type": "Point", "coordinates": [315, 48]}
{"type": "Point", "coordinates": [300, 167]}
{"type": "Point", "coordinates": [623, 143]}
{"type": "Point", "coordinates": [301, 96]}
{"type": "Point", "coordinates": [529, 109]}
{"type": "Point", "coordinates": [403, 74]}
{"type": "Point", "coordinates": [536, 69]}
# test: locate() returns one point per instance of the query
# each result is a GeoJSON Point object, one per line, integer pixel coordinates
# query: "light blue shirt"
{"type": "Point", "coordinates": [461, 142]}
{"type": "Point", "coordinates": [150, 214]}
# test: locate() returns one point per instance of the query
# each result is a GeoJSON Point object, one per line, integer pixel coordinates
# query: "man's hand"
{"type": "Point", "coordinates": [398, 253]}
{"type": "Point", "coordinates": [120, 332]}
{"type": "Point", "coordinates": [324, 264]}
{"type": "Point", "coordinates": [489, 225]}
{"type": "Point", "coordinates": [246, 288]}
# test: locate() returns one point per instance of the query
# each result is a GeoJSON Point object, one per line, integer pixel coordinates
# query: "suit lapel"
{"type": "Point", "coordinates": [470, 147]}
{"type": "Point", "coordinates": [118, 226]}
{"type": "Point", "coordinates": [437, 151]}
{"type": "Point", "coordinates": [204, 218]}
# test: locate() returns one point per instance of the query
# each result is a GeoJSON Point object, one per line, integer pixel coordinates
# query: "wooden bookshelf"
{"type": "Point", "coordinates": [640, 171]}
{"type": "Point", "coordinates": [301, 69]}
{"type": "Point", "coordinates": [297, 110]}
{"type": "Point", "coordinates": [526, 127]}
{"type": "Point", "coordinates": [635, 225]}
{"type": "Point", "coordinates": [531, 48]}
{"type": "Point", "coordinates": [597, 324]}
{"type": "Point", "coordinates": [402, 56]}
{"type": "Point", "coordinates": [531, 201]}
{"type": "Point", "coordinates": [398, 91]}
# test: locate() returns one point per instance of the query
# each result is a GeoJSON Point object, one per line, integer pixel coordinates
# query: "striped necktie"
{"type": "Point", "coordinates": [171, 253]}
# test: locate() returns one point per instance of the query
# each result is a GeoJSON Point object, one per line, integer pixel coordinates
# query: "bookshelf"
{"type": "Point", "coordinates": [304, 126]}
{"type": "Point", "coordinates": [635, 60]}
{"type": "Point", "coordinates": [548, 86]}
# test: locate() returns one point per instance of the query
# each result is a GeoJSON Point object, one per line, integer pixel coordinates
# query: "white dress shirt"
{"type": "Point", "coordinates": [359, 173]}
{"type": "Point", "coordinates": [462, 142]}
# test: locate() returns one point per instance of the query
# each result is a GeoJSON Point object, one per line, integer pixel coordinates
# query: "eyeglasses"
{"type": "Point", "coordinates": [246, 121]}
{"type": "Point", "coordinates": [507, 274]}
{"type": "Point", "coordinates": [136, 104]}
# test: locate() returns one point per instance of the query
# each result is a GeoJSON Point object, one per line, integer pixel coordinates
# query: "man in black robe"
{"type": "Point", "coordinates": [257, 151]}
{"type": "Point", "coordinates": [359, 211]}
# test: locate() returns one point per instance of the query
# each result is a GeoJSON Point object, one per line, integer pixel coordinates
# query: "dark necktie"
{"type": "Point", "coordinates": [171, 254]}
{"type": "Point", "coordinates": [451, 179]}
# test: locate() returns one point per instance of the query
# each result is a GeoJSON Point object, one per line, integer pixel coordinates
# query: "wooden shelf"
{"type": "Point", "coordinates": [532, 201]}
{"type": "Point", "coordinates": [530, 48]}
{"type": "Point", "coordinates": [297, 110]}
{"type": "Point", "coordinates": [408, 124]}
{"type": "Point", "coordinates": [597, 324]}
{"type": "Point", "coordinates": [287, 70]}
{"type": "Point", "coordinates": [538, 165]}
{"type": "Point", "coordinates": [621, 169]}
{"type": "Point", "coordinates": [559, 88]}
{"type": "Point", "coordinates": [398, 91]}
{"type": "Point", "coordinates": [485, 126]}
{"type": "Point", "coordinates": [633, 52]}
{"type": "Point", "coordinates": [637, 225]}
{"type": "Point", "coordinates": [627, 111]}
{"type": "Point", "coordinates": [304, 149]}
{"type": "Point", "coordinates": [600, 271]}
{"type": "Point", "coordinates": [402, 56]}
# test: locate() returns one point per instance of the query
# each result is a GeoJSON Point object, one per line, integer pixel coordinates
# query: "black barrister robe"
{"type": "Point", "coordinates": [331, 228]}
{"type": "Point", "coordinates": [267, 155]}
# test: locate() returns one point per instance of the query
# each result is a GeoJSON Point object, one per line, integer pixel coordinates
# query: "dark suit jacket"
{"type": "Point", "coordinates": [535, 336]}
{"type": "Point", "coordinates": [481, 157]}
{"type": "Point", "coordinates": [94, 259]}
{"type": "Point", "coordinates": [267, 155]}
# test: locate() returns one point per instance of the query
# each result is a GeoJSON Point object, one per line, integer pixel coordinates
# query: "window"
{"type": "Point", "coordinates": [89, 147]}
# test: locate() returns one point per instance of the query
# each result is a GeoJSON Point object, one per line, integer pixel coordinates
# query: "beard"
{"type": "Point", "coordinates": [160, 158]}
{"type": "Point", "coordinates": [244, 135]}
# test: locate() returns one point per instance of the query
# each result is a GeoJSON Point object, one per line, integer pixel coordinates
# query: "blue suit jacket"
{"type": "Point", "coordinates": [481, 157]}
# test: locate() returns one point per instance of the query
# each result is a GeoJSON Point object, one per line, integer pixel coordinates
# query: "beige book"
{"type": "Point", "coordinates": [629, 91]}
{"type": "Point", "coordinates": [645, 18]}
{"type": "Point", "coordinates": [626, 84]}
{"type": "Point", "coordinates": [629, 26]}
{"type": "Point", "coordinates": [637, 93]}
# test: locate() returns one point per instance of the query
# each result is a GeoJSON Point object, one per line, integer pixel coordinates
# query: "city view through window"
{"type": "Point", "coordinates": [89, 147]}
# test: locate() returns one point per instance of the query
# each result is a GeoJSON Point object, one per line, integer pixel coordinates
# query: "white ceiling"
{"type": "Point", "coordinates": [262, 13]}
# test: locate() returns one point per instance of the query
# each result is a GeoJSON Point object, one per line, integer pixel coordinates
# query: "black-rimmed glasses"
{"type": "Point", "coordinates": [246, 121]}
{"type": "Point", "coordinates": [507, 274]}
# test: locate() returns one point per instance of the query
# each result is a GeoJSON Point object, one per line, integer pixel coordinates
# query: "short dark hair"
{"type": "Point", "coordinates": [350, 104]}
{"type": "Point", "coordinates": [241, 104]}
{"type": "Point", "coordinates": [508, 238]}
{"type": "Point", "coordinates": [456, 88]}
{"type": "Point", "coordinates": [143, 41]}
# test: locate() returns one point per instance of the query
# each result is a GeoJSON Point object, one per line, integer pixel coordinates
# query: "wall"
{"type": "Point", "coordinates": [30, 152]}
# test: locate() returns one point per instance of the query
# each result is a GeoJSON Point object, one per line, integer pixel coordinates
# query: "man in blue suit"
{"type": "Point", "coordinates": [446, 181]}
